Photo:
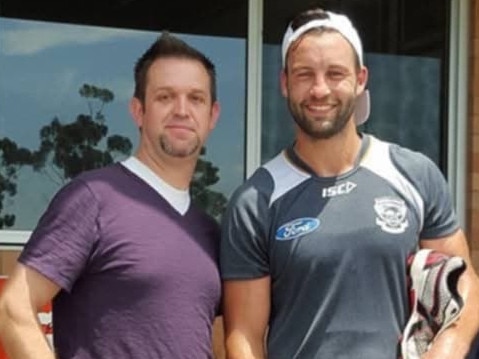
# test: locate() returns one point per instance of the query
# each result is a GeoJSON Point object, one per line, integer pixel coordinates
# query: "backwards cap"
{"type": "Point", "coordinates": [343, 25]}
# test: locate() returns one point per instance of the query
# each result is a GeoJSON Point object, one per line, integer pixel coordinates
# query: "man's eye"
{"type": "Point", "coordinates": [336, 75]}
{"type": "Point", "coordinates": [303, 75]}
{"type": "Point", "coordinates": [198, 99]}
{"type": "Point", "coordinates": [163, 97]}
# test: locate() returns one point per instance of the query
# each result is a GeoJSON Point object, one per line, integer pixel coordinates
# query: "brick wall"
{"type": "Point", "coordinates": [473, 188]}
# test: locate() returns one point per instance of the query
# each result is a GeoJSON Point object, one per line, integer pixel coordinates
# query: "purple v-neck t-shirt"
{"type": "Point", "coordinates": [138, 279]}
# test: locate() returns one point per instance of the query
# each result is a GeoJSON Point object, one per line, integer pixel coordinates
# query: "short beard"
{"type": "Point", "coordinates": [177, 151]}
{"type": "Point", "coordinates": [335, 126]}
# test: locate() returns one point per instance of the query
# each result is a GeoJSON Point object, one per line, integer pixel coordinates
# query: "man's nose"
{"type": "Point", "coordinates": [320, 87]}
{"type": "Point", "coordinates": [181, 106]}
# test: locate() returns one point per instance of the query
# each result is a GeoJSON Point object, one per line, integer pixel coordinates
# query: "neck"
{"type": "Point", "coordinates": [177, 172]}
{"type": "Point", "coordinates": [330, 157]}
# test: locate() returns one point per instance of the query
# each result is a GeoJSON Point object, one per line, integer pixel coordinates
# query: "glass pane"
{"type": "Point", "coordinates": [405, 43]}
{"type": "Point", "coordinates": [45, 65]}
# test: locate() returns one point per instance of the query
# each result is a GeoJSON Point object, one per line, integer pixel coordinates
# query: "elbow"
{"type": "Point", "coordinates": [10, 314]}
{"type": "Point", "coordinates": [5, 315]}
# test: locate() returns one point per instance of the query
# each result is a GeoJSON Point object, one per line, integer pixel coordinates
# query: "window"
{"type": "Point", "coordinates": [405, 46]}
{"type": "Point", "coordinates": [65, 61]}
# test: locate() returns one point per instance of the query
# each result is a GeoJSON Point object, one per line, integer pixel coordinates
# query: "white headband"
{"type": "Point", "coordinates": [344, 26]}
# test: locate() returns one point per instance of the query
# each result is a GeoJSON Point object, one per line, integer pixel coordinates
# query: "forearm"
{"type": "Point", "coordinates": [455, 342]}
{"type": "Point", "coordinates": [22, 338]}
{"type": "Point", "coordinates": [240, 347]}
{"type": "Point", "coordinates": [247, 309]}
{"type": "Point", "coordinates": [25, 292]}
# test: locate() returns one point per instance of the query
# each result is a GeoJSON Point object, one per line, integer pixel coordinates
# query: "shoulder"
{"type": "Point", "coordinates": [271, 181]}
{"type": "Point", "coordinates": [417, 168]}
{"type": "Point", "coordinates": [89, 187]}
{"type": "Point", "coordinates": [416, 177]}
{"type": "Point", "coordinates": [99, 174]}
{"type": "Point", "coordinates": [259, 184]}
{"type": "Point", "coordinates": [107, 179]}
{"type": "Point", "coordinates": [409, 159]}
{"type": "Point", "coordinates": [412, 164]}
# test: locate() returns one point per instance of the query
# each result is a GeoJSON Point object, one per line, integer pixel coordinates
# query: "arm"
{"type": "Point", "coordinates": [218, 338]}
{"type": "Point", "coordinates": [26, 291]}
{"type": "Point", "coordinates": [455, 341]}
{"type": "Point", "coordinates": [246, 315]}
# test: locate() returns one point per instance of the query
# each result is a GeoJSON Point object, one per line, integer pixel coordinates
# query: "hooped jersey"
{"type": "Point", "coordinates": [336, 247]}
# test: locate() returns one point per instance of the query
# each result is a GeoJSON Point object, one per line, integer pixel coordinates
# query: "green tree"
{"type": "Point", "coordinates": [12, 159]}
{"type": "Point", "coordinates": [69, 149]}
{"type": "Point", "coordinates": [206, 175]}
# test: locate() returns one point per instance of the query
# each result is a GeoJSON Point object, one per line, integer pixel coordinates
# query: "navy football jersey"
{"type": "Point", "coordinates": [336, 247]}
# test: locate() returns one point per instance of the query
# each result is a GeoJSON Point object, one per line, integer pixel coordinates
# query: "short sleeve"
{"type": "Point", "coordinates": [439, 215]}
{"type": "Point", "coordinates": [244, 235]}
{"type": "Point", "coordinates": [61, 244]}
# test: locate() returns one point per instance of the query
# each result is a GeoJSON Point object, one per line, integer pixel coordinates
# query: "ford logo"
{"type": "Point", "coordinates": [296, 228]}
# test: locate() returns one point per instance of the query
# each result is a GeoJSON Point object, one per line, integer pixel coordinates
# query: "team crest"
{"type": "Point", "coordinates": [391, 214]}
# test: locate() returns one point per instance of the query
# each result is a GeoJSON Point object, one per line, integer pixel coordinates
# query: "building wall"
{"type": "Point", "coordinates": [473, 187]}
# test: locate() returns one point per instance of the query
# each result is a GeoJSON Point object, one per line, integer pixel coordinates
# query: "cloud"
{"type": "Point", "coordinates": [38, 37]}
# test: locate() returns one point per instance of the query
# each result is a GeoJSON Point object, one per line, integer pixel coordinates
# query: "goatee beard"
{"type": "Point", "coordinates": [177, 151]}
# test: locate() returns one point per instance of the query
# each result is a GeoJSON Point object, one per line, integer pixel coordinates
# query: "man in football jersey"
{"type": "Point", "coordinates": [315, 243]}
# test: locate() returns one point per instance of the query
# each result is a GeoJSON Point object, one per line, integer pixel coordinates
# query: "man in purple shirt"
{"type": "Point", "coordinates": [129, 263]}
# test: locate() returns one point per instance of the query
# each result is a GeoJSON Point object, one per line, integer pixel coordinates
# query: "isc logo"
{"type": "Point", "coordinates": [343, 188]}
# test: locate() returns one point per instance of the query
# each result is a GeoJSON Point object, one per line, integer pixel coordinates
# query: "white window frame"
{"type": "Point", "coordinates": [458, 99]}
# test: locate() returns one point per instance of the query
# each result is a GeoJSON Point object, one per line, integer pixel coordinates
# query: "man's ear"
{"type": "Point", "coordinates": [284, 83]}
{"type": "Point", "coordinates": [362, 79]}
{"type": "Point", "coordinates": [136, 111]}
{"type": "Point", "coordinates": [215, 114]}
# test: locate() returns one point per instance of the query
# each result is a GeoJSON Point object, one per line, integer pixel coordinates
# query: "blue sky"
{"type": "Point", "coordinates": [44, 64]}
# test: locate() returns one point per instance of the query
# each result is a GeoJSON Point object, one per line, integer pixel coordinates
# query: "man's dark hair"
{"type": "Point", "coordinates": [316, 14]}
{"type": "Point", "coordinates": [307, 16]}
{"type": "Point", "coordinates": [169, 46]}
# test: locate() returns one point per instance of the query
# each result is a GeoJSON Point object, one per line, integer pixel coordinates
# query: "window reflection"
{"type": "Point", "coordinates": [405, 49]}
{"type": "Point", "coordinates": [405, 103]}
{"type": "Point", "coordinates": [61, 77]}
